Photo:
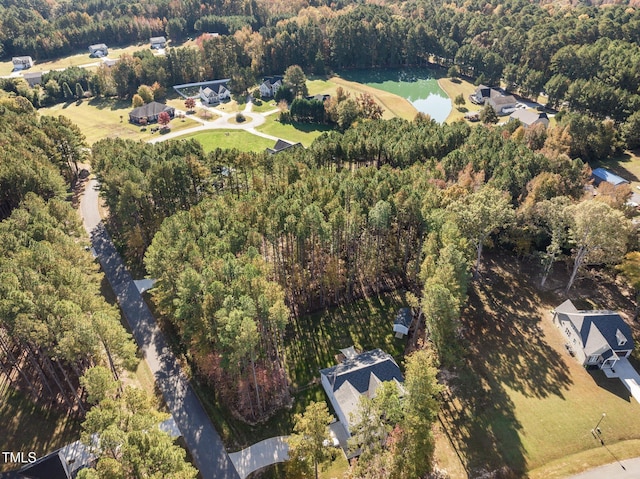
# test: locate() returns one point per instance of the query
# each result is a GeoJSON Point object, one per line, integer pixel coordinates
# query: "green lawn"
{"type": "Point", "coordinates": [519, 399]}
{"type": "Point", "coordinates": [27, 427]}
{"type": "Point", "coordinates": [108, 118]}
{"type": "Point", "coordinates": [264, 107]}
{"type": "Point", "coordinates": [227, 139]}
{"type": "Point", "coordinates": [304, 133]}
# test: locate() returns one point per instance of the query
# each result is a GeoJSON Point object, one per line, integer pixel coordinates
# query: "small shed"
{"type": "Point", "coordinates": [98, 50]}
{"type": "Point", "coordinates": [403, 321]}
{"type": "Point", "coordinates": [602, 174]}
{"type": "Point", "coordinates": [22, 63]}
{"type": "Point", "coordinates": [33, 78]}
{"type": "Point", "coordinates": [158, 43]}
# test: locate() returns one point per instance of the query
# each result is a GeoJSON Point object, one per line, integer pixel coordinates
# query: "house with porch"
{"type": "Point", "coordinates": [98, 50]}
{"type": "Point", "coordinates": [215, 92]}
{"type": "Point", "coordinates": [358, 375]}
{"type": "Point", "coordinates": [22, 63]}
{"type": "Point", "coordinates": [270, 85]}
{"type": "Point", "coordinates": [598, 338]}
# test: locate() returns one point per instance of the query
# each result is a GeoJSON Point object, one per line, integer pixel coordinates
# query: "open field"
{"type": "Point", "coordinates": [227, 139]}
{"type": "Point", "coordinates": [453, 88]}
{"type": "Point", "coordinates": [265, 106]}
{"type": "Point", "coordinates": [27, 427]}
{"type": "Point", "coordinates": [78, 59]}
{"type": "Point", "coordinates": [108, 118]}
{"type": "Point", "coordinates": [304, 133]}
{"type": "Point", "coordinates": [519, 399]}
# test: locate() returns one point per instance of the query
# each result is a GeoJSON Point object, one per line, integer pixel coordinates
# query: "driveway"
{"type": "Point", "coordinates": [201, 438]}
{"type": "Point", "coordinates": [628, 375]}
{"type": "Point", "coordinates": [261, 454]}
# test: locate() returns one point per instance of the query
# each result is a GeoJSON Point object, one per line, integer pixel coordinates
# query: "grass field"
{"type": "Point", "coordinates": [226, 139]}
{"type": "Point", "coordinates": [519, 399]}
{"type": "Point", "coordinates": [453, 88]}
{"type": "Point", "coordinates": [264, 107]}
{"type": "Point", "coordinates": [78, 59]}
{"type": "Point", "coordinates": [27, 427]}
{"type": "Point", "coordinates": [108, 118]}
{"type": "Point", "coordinates": [304, 133]}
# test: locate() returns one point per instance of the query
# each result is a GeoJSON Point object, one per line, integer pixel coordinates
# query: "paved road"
{"type": "Point", "coordinates": [201, 438]}
{"type": "Point", "coordinates": [613, 471]}
{"type": "Point", "coordinates": [261, 454]}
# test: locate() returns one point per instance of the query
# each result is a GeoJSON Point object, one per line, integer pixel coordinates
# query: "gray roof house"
{"type": "Point", "coordinates": [33, 78]}
{"type": "Point", "coordinates": [98, 50]}
{"type": "Point", "coordinates": [215, 92]}
{"type": "Point", "coordinates": [360, 374]}
{"type": "Point", "coordinates": [597, 338]}
{"type": "Point", "coordinates": [157, 43]}
{"type": "Point", "coordinates": [529, 118]}
{"type": "Point", "coordinates": [282, 145]}
{"type": "Point", "coordinates": [270, 85]}
{"type": "Point", "coordinates": [22, 63]}
{"type": "Point", "coordinates": [150, 112]}
{"type": "Point", "coordinates": [402, 322]}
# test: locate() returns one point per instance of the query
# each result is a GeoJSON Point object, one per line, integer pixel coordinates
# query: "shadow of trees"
{"type": "Point", "coordinates": [507, 352]}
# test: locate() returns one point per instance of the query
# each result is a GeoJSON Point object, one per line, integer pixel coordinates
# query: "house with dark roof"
{"type": "Point", "coordinates": [270, 85]}
{"type": "Point", "coordinates": [22, 63]}
{"type": "Point", "coordinates": [602, 174]}
{"type": "Point", "coordinates": [318, 97]}
{"type": "Point", "coordinates": [150, 112]}
{"type": "Point", "coordinates": [282, 145]}
{"type": "Point", "coordinates": [358, 375]}
{"type": "Point", "coordinates": [528, 118]}
{"type": "Point", "coordinates": [158, 43]}
{"type": "Point", "coordinates": [53, 466]}
{"type": "Point", "coordinates": [597, 338]}
{"type": "Point", "coordinates": [98, 50]}
{"type": "Point", "coordinates": [402, 322]}
{"type": "Point", "coordinates": [215, 92]}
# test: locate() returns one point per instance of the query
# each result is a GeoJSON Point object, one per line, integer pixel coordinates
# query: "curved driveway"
{"type": "Point", "coordinates": [261, 454]}
{"type": "Point", "coordinates": [201, 438]}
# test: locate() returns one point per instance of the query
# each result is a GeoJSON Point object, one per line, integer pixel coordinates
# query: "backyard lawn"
{"type": "Point", "coordinates": [108, 118]}
{"type": "Point", "coordinates": [227, 139]}
{"type": "Point", "coordinates": [304, 133]}
{"type": "Point", "coordinates": [627, 166]}
{"type": "Point", "coordinates": [27, 427]}
{"type": "Point", "coordinates": [519, 399]}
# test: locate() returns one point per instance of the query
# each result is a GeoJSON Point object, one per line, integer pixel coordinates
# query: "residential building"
{"type": "Point", "coordinates": [98, 50]}
{"type": "Point", "coordinates": [22, 63]}
{"type": "Point", "coordinates": [529, 118]}
{"type": "Point", "coordinates": [150, 112]}
{"type": "Point", "coordinates": [270, 85]}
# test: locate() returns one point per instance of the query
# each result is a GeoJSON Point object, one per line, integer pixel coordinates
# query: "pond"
{"type": "Point", "coordinates": [419, 86]}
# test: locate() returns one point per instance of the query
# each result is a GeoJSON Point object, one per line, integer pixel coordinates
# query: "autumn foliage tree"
{"type": "Point", "coordinates": [164, 119]}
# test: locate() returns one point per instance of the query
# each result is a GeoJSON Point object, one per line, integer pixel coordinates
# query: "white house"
{"type": "Point", "coordinates": [215, 92]}
{"type": "Point", "coordinates": [597, 338]}
{"type": "Point", "coordinates": [501, 103]}
{"type": "Point", "coordinates": [22, 63]}
{"type": "Point", "coordinates": [270, 85]}
{"type": "Point", "coordinates": [402, 322]}
{"type": "Point", "coordinates": [158, 43]}
{"type": "Point", "coordinates": [358, 375]}
{"type": "Point", "coordinates": [98, 50]}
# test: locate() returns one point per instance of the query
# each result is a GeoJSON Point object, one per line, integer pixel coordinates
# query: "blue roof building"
{"type": "Point", "coordinates": [602, 174]}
